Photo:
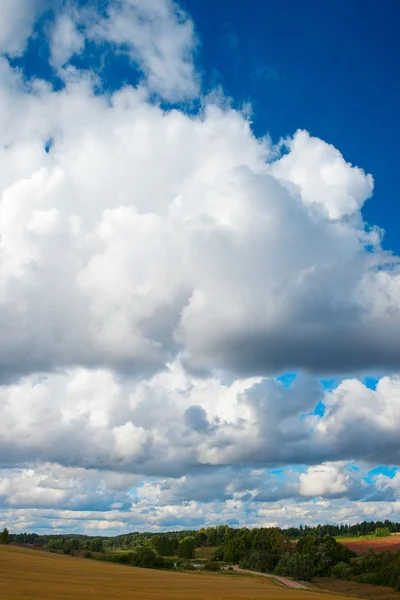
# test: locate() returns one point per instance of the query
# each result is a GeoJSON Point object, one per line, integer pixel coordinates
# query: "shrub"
{"type": "Point", "coordinates": [88, 554]}
{"type": "Point", "coordinates": [382, 532]}
{"type": "Point", "coordinates": [370, 578]}
{"type": "Point", "coordinates": [122, 558]}
{"type": "Point", "coordinates": [168, 562]}
{"type": "Point", "coordinates": [211, 566]}
{"type": "Point", "coordinates": [341, 571]}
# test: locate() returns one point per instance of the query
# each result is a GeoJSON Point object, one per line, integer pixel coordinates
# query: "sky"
{"type": "Point", "coordinates": [199, 264]}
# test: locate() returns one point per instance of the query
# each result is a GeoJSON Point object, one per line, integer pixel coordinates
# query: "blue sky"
{"type": "Point", "coordinates": [328, 67]}
{"type": "Point", "coordinates": [200, 322]}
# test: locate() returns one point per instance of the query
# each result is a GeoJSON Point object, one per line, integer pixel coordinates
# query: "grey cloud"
{"type": "Point", "coordinates": [173, 425]}
{"type": "Point", "coordinates": [196, 418]}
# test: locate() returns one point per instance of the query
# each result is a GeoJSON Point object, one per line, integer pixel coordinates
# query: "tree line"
{"type": "Point", "coordinates": [210, 536]}
{"type": "Point", "coordinates": [360, 529]}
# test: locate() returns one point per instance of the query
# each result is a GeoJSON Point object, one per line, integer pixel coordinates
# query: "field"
{"type": "Point", "coordinates": [31, 575]}
{"type": "Point", "coordinates": [361, 545]}
{"type": "Point", "coordinates": [356, 590]}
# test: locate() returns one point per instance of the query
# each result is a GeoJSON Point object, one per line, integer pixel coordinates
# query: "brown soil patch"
{"type": "Point", "coordinates": [388, 544]}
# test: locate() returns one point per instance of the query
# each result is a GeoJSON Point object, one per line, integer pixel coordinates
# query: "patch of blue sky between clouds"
{"type": "Point", "coordinates": [112, 68]}
{"type": "Point", "coordinates": [281, 473]}
{"type": "Point", "coordinates": [319, 411]}
{"type": "Point", "coordinates": [328, 385]}
{"type": "Point", "coordinates": [353, 467]}
{"type": "Point", "coordinates": [371, 382]}
{"type": "Point", "coordinates": [287, 379]}
{"type": "Point", "coordinates": [385, 470]}
{"type": "Point", "coordinates": [34, 63]}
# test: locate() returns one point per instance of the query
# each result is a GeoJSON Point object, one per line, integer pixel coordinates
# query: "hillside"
{"type": "Point", "coordinates": [27, 574]}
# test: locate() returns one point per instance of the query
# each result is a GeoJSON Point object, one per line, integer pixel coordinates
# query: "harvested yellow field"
{"type": "Point", "coordinates": [34, 575]}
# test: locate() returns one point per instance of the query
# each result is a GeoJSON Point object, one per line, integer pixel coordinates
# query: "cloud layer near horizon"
{"type": "Point", "coordinates": [160, 267]}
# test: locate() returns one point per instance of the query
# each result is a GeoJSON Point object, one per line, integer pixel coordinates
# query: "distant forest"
{"type": "Point", "coordinates": [210, 536]}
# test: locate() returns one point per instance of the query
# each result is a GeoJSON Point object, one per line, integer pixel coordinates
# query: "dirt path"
{"type": "Point", "coordinates": [283, 580]}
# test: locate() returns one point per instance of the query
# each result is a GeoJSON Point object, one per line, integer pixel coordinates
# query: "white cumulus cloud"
{"type": "Point", "coordinates": [158, 269]}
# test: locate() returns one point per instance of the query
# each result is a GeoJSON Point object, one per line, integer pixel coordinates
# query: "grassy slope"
{"type": "Point", "coordinates": [361, 538]}
{"type": "Point", "coordinates": [356, 590]}
{"type": "Point", "coordinates": [29, 574]}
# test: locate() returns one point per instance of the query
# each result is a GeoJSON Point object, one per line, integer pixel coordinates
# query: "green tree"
{"type": "Point", "coordinates": [164, 545]}
{"type": "Point", "coordinates": [260, 560]}
{"type": "Point", "coordinates": [187, 547]}
{"type": "Point", "coordinates": [235, 549]}
{"type": "Point", "coordinates": [5, 536]}
{"type": "Point", "coordinates": [298, 566]}
{"type": "Point", "coordinates": [146, 557]}
{"type": "Point", "coordinates": [201, 538]}
{"type": "Point", "coordinates": [55, 544]}
{"type": "Point", "coordinates": [96, 545]}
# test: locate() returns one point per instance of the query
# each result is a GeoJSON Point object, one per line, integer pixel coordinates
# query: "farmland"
{"type": "Point", "coordinates": [354, 589]}
{"type": "Point", "coordinates": [361, 545]}
{"type": "Point", "coordinates": [28, 574]}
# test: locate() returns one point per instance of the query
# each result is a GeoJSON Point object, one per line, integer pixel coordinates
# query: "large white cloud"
{"type": "Point", "coordinates": [157, 268]}
{"type": "Point", "coordinates": [144, 233]}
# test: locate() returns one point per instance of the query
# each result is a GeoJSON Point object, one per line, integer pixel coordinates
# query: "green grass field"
{"type": "Point", "coordinates": [346, 538]}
